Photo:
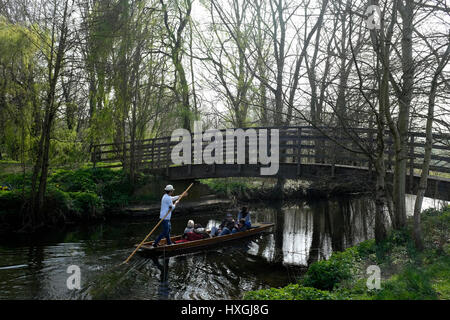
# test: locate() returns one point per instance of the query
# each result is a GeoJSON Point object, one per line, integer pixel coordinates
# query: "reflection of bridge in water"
{"type": "Point", "coordinates": [306, 233]}
{"type": "Point", "coordinates": [305, 153]}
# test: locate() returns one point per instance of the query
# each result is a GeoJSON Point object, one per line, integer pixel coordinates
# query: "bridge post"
{"type": "Point", "coordinates": [167, 156]}
{"type": "Point", "coordinates": [299, 152]}
{"type": "Point", "coordinates": [370, 142]}
{"type": "Point", "coordinates": [95, 156]}
{"type": "Point", "coordinates": [411, 164]}
{"type": "Point", "coordinates": [152, 164]}
{"type": "Point", "coordinates": [159, 155]}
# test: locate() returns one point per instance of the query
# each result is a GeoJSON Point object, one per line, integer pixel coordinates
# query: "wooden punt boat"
{"type": "Point", "coordinates": [176, 248]}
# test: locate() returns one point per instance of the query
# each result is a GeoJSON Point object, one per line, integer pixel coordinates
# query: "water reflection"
{"type": "Point", "coordinates": [308, 232]}
{"type": "Point", "coordinates": [303, 233]}
{"type": "Point", "coordinates": [164, 288]}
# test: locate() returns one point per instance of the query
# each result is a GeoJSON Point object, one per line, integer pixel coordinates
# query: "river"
{"type": "Point", "coordinates": [36, 267]}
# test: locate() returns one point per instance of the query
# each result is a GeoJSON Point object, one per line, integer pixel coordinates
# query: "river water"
{"type": "Point", "coordinates": [36, 267]}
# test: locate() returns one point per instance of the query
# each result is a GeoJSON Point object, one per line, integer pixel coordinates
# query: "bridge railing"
{"type": "Point", "coordinates": [299, 145]}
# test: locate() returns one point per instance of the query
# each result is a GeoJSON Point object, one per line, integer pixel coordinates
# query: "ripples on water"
{"type": "Point", "coordinates": [36, 267]}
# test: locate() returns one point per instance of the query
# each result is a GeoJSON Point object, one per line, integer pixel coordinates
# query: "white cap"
{"type": "Point", "coordinates": [169, 187]}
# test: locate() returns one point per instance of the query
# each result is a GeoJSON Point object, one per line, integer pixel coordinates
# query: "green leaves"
{"type": "Point", "coordinates": [290, 292]}
{"type": "Point", "coordinates": [326, 274]}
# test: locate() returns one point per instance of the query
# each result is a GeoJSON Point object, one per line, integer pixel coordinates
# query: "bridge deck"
{"type": "Point", "coordinates": [304, 152]}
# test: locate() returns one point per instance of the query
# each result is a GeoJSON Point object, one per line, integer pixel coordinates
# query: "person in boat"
{"type": "Point", "coordinates": [198, 233]}
{"type": "Point", "coordinates": [189, 228]}
{"type": "Point", "coordinates": [240, 227]}
{"type": "Point", "coordinates": [225, 227]}
{"type": "Point", "coordinates": [245, 214]}
{"type": "Point", "coordinates": [166, 205]}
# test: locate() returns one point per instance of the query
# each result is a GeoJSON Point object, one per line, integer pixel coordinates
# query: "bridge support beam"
{"type": "Point", "coordinates": [438, 188]}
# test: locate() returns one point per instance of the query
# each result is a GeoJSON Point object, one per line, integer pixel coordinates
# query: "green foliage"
{"type": "Point", "coordinates": [16, 180]}
{"type": "Point", "coordinates": [86, 202]}
{"type": "Point", "coordinates": [227, 186]}
{"type": "Point", "coordinates": [80, 194]}
{"type": "Point", "coordinates": [326, 274]}
{"type": "Point", "coordinates": [436, 226]}
{"type": "Point", "coordinates": [72, 181]}
{"type": "Point", "coordinates": [366, 248]}
{"type": "Point", "coordinates": [411, 284]}
{"type": "Point", "coordinates": [10, 200]}
{"type": "Point", "coordinates": [408, 274]}
{"type": "Point", "coordinates": [66, 150]}
{"type": "Point", "coordinates": [290, 292]}
{"type": "Point", "coordinates": [112, 186]}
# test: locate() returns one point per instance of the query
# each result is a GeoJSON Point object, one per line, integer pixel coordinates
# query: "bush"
{"type": "Point", "coordinates": [74, 181]}
{"type": "Point", "coordinates": [57, 200]}
{"type": "Point", "coordinates": [86, 202]}
{"type": "Point", "coordinates": [16, 180]}
{"type": "Point", "coordinates": [436, 226]}
{"type": "Point", "coordinates": [326, 274]}
{"type": "Point", "coordinates": [290, 292]}
{"type": "Point", "coordinates": [227, 186]}
{"type": "Point", "coordinates": [411, 284]}
{"type": "Point", "coordinates": [366, 248]}
{"type": "Point", "coordinates": [110, 187]}
{"type": "Point", "coordinates": [10, 201]}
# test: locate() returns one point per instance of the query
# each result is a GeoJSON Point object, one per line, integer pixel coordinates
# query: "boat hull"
{"type": "Point", "coordinates": [177, 248]}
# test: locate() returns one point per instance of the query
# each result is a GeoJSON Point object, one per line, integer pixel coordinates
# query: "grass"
{"type": "Point", "coordinates": [406, 274]}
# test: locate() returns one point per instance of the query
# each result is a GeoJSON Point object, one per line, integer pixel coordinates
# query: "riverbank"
{"type": "Point", "coordinates": [245, 189]}
{"type": "Point", "coordinates": [72, 196]}
{"type": "Point", "coordinates": [406, 274]}
{"type": "Point", "coordinates": [89, 194]}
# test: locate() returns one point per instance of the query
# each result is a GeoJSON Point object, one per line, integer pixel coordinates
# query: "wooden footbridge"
{"type": "Point", "coordinates": [304, 153]}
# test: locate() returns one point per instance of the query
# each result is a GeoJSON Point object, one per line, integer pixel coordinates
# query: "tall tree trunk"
{"type": "Point", "coordinates": [405, 97]}
{"type": "Point", "coordinates": [428, 148]}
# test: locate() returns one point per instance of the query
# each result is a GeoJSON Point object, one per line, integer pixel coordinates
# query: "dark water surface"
{"type": "Point", "coordinates": [36, 268]}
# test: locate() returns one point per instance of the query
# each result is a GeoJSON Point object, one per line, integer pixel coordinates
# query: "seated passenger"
{"type": "Point", "coordinates": [225, 227]}
{"type": "Point", "coordinates": [200, 230]}
{"type": "Point", "coordinates": [198, 233]}
{"type": "Point", "coordinates": [240, 227]}
{"type": "Point", "coordinates": [245, 214]}
{"type": "Point", "coordinates": [189, 228]}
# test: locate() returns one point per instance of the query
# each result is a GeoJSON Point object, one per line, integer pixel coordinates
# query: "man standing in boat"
{"type": "Point", "coordinates": [166, 205]}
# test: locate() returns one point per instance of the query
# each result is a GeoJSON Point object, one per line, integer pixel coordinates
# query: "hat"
{"type": "Point", "coordinates": [169, 187]}
{"type": "Point", "coordinates": [190, 224]}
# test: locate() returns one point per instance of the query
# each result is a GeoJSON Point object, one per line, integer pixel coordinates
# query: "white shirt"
{"type": "Point", "coordinates": [166, 204]}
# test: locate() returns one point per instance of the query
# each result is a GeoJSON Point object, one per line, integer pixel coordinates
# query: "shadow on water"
{"type": "Point", "coordinates": [303, 233]}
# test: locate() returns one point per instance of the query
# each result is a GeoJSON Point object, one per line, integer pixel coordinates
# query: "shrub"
{"type": "Point", "coordinates": [326, 274]}
{"type": "Point", "coordinates": [436, 226]}
{"type": "Point", "coordinates": [290, 292]}
{"type": "Point", "coordinates": [411, 284]}
{"type": "Point", "coordinates": [86, 202]}
{"type": "Point", "coordinates": [10, 200]}
{"type": "Point", "coordinates": [74, 181]}
{"type": "Point", "coordinates": [57, 200]}
{"type": "Point", "coordinates": [228, 186]}
{"type": "Point", "coordinates": [366, 248]}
